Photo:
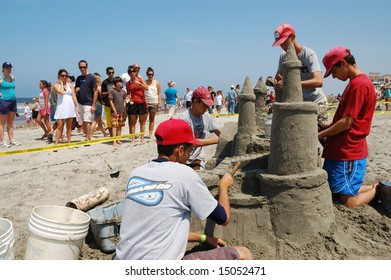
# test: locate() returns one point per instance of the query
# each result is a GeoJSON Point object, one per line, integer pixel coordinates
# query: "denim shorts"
{"type": "Point", "coordinates": [345, 177]}
{"type": "Point", "coordinates": [98, 111]}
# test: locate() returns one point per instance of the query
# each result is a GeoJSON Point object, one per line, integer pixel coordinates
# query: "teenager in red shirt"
{"type": "Point", "coordinates": [346, 149]}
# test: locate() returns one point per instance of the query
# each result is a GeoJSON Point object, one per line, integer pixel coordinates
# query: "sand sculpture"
{"type": "Point", "coordinates": [246, 123]}
{"type": "Point", "coordinates": [260, 92]}
{"type": "Point", "coordinates": [280, 194]}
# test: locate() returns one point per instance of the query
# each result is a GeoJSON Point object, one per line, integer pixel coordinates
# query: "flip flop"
{"type": "Point", "coordinates": [50, 138]}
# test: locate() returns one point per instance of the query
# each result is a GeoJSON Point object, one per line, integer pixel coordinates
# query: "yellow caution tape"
{"type": "Point", "coordinates": [331, 105]}
{"type": "Point", "coordinates": [67, 145]}
{"type": "Point", "coordinates": [225, 115]}
{"type": "Point", "coordinates": [376, 113]}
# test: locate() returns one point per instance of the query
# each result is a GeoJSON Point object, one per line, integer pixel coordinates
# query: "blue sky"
{"type": "Point", "coordinates": [192, 42]}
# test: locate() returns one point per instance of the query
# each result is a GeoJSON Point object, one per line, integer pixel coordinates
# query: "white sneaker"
{"type": "Point", "coordinates": [4, 144]}
{"type": "Point", "coordinates": [14, 143]}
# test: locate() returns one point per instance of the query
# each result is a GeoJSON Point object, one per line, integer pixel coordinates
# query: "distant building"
{"type": "Point", "coordinates": [379, 79]}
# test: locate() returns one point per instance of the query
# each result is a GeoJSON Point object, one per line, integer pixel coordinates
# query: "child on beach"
{"type": "Point", "coordinates": [27, 113]}
{"type": "Point", "coordinates": [35, 108]}
{"type": "Point", "coordinates": [346, 149]}
{"type": "Point", "coordinates": [117, 98]}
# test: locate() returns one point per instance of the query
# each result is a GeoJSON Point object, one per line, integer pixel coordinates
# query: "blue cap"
{"type": "Point", "coordinates": [7, 64]}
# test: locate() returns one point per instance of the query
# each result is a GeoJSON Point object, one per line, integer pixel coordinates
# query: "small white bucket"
{"type": "Point", "coordinates": [6, 240]}
{"type": "Point", "coordinates": [56, 233]}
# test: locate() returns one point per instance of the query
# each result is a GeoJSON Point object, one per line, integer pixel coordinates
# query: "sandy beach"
{"type": "Point", "coordinates": [55, 178]}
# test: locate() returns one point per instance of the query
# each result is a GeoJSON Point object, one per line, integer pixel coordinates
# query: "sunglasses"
{"type": "Point", "coordinates": [150, 74]}
{"type": "Point", "coordinates": [82, 67]}
{"type": "Point", "coordinates": [64, 75]}
{"type": "Point", "coordinates": [110, 73]}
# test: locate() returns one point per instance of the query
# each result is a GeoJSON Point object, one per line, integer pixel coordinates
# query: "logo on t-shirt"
{"type": "Point", "coordinates": [199, 131]}
{"type": "Point", "coordinates": [146, 192]}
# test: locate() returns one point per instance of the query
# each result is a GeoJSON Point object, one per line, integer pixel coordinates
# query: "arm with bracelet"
{"type": "Point", "coordinates": [215, 242]}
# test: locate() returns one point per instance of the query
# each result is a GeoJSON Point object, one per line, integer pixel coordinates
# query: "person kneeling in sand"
{"type": "Point", "coordinates": [160, 197]}
{"type": "Point", "coordinates": [346, 149]}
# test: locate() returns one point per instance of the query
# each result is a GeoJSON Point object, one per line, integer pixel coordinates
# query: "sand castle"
{"type": "Point", "coordinates": [280, 194]}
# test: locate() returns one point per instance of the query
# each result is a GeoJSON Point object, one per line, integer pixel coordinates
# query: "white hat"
{"type": "Point", "coordinates": [232, 86]}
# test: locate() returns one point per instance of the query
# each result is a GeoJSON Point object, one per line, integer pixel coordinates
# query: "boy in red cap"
{"type": "Point", "coordinates": [310, 71]}
{"type": "Point", "coordinates": [346, 149]}
{"type": "Point", "coordinates": [201, 122]}
{"type": "Point", "coordinates": [160, 197]}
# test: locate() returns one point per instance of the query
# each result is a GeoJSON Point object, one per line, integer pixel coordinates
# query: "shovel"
{"type": "Point", "coordinates": [236, 167]}
{"type": "Point", "coordinates": [114, 173]}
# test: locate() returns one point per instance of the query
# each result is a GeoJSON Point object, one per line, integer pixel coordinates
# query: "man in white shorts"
{"type": "Point", "coordinates": [87, 94]}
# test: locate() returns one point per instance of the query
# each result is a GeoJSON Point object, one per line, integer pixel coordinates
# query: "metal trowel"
{"type": "Point", "coordinates": [114, 173]}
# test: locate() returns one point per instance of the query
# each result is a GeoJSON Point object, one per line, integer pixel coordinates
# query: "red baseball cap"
{"type": "Point", "coordinates": [332, 57]}
{"type": "Point", "coordinates": [282, 33]}
{"type": "Point", "coordinates": [205, 96]}
{"type": "Point", "coordinates": [175, 131]}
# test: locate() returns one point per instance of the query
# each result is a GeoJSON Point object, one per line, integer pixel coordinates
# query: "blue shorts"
{"type": "Point", "coordinates": [98, 111]}
{"type": "Point", "coordinates": [7, 106]}
{"type": "Point", "coordinates": [345, 177]}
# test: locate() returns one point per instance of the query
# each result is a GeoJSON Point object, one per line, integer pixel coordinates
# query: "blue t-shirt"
{"type": "Point", "coordinates": [87, 85]}
{"type": "Point", "coordinates": [231, 94]}
{"type": "Point", "coordinates": [7, 89]}
{"type": "Point", "coordinates": [171, 94]}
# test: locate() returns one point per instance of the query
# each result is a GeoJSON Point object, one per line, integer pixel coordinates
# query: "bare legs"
{"type": "Point", "coordinates": [60, 129]}
{"type": "Point", "coordinates": [143, 120]}
{"type": "Point", "coordinates": [87, 130]}
{"type": "Point", "coordinates": [45, 125]}
{"type": "Point", "coordinates": [151, 123]}
{"type": "Point", "coordinates": [365, 195]}
{"type": "Point", "coordinates": [117, 131]}
{"type": "Point", "coordinates": [132, 125]}
{"type": "Point", "coordinates": [98, 121]}
{"type": "Point", "coordinates": [3, 122]}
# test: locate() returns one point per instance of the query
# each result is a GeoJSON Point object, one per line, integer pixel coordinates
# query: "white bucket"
{"type": "Point", "coordinates": [6, 240]}
{"type": "Point", "coordinates": [56, 233]}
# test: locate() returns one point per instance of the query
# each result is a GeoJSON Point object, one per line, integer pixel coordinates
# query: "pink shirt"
{"type": "Point", "coordinates": [41, 99]}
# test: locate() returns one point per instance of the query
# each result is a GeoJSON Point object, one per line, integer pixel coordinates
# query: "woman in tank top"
{"type": "Point", "coordinates": [44, 111]}
{"type": "Point", "coordinates": [137, 108]}
{"type": "Point", "coordinates": [154, 98]}
{"type": "Point", "coordinates": [8, 106]}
